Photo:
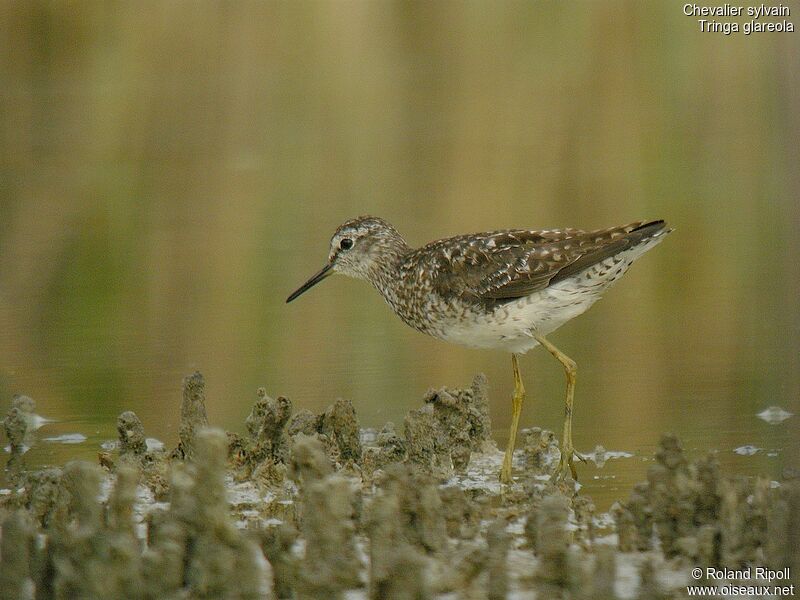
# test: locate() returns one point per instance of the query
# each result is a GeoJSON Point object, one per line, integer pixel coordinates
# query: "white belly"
{"type": "Point", "coordinates": [510, 327]}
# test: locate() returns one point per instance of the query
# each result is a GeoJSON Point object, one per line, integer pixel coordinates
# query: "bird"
{"type": "Point", "coordinates": [503, 290]}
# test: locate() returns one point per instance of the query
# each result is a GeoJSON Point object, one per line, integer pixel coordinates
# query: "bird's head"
{"type": "Point", "coordinates": [357, 247]}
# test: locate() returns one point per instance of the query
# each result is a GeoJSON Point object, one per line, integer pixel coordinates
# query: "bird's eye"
{"type": "Point", "coordinates": [346, 244]}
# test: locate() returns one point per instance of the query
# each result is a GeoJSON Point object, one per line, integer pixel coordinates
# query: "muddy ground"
{"type": "Point", "coordinates": [312, 506]}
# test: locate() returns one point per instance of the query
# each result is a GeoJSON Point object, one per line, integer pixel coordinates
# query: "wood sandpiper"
{"type": "Point", "coordinates": [503, 289]}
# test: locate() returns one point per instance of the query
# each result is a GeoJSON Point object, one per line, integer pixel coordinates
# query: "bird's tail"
{"type": "Point", "coordinates": [649, 230]}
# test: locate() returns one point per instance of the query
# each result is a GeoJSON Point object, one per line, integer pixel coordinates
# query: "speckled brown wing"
{"type": "Point", "coordinates": [512, 264]}
{"type": "Point", "coordinates": [479, 264]}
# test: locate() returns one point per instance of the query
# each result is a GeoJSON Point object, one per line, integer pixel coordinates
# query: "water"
{"type": "Point", "coordinates": [156, 213]}
{"type": "Point", "coordinates": [627, 395]}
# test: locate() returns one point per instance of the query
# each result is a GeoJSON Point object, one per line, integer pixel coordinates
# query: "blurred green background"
{"type": "Point", "coordinates": [170, 171]}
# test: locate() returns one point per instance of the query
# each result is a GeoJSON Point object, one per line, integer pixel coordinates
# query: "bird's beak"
{"type": "Point", "coordinates": [322, 274]}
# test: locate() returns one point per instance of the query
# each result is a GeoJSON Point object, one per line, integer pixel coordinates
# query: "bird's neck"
{"type": "Point", "coordinates": [384, 270]}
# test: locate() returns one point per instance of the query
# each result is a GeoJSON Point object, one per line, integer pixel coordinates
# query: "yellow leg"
{"type": "Point", "coordinates": [567, 449]}
{"type": "Point", "coordinates": [516, 409]}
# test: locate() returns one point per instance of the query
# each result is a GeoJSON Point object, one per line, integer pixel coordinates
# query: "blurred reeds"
{"type": "Point", "coordinates": [171, 170]}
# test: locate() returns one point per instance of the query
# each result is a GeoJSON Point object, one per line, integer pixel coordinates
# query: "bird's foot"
{"type": "Point", "coordinates": [566, 464]}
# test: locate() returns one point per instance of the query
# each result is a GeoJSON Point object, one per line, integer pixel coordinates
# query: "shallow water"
{"type": "Point", "coordinates": [617, 406]}
{"type": "Point", "coordinates": [641, 371]}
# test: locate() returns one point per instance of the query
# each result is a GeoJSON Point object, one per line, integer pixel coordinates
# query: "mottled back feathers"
{"type": "Point", "coordinates": [503, 265]}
